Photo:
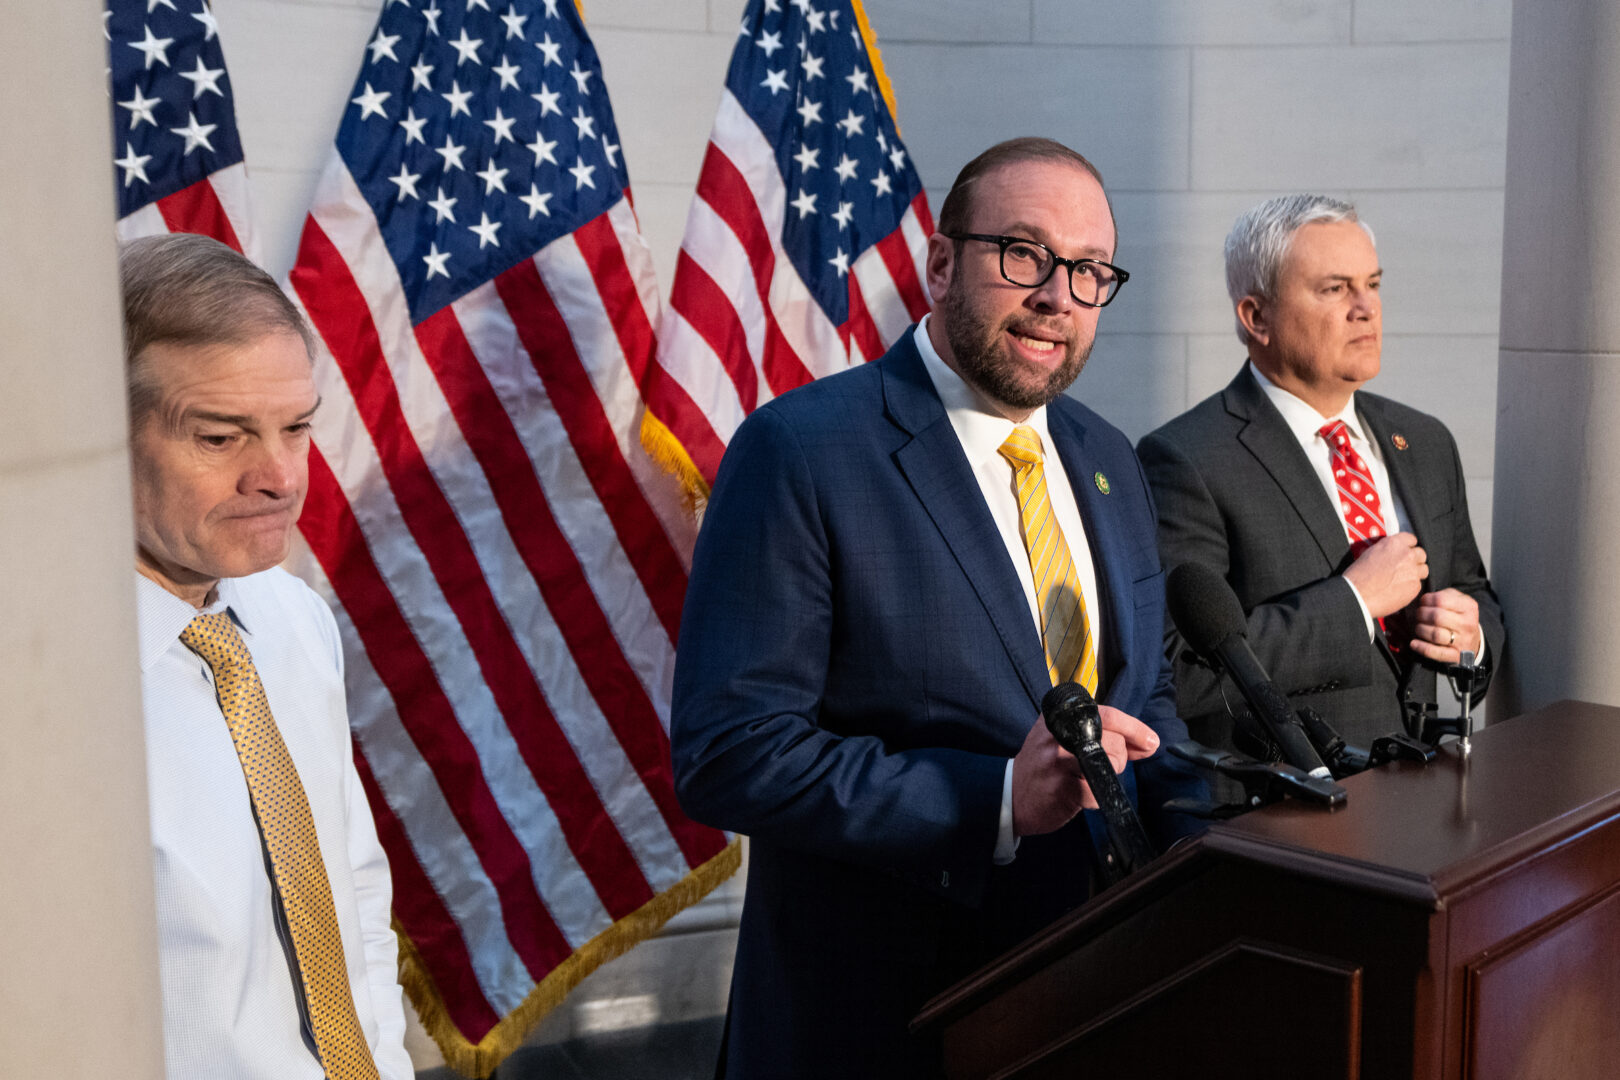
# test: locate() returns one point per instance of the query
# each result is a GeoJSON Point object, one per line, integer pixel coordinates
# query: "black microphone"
{"type": "Point", "coordinates": [1072, 718]}
{"type": "Point", "coordinates": [1207, 613]}
{"type": "Point", "coordinates": [1341, 757]}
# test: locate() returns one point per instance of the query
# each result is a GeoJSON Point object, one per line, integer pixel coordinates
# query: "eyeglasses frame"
{"type": "Point", "coordinates": [1003, 242]}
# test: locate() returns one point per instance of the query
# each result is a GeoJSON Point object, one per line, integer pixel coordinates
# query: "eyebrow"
{"type": "Point", "coordinates": [1378, 273]}
{"type": "Point", "coordinates": [217, 418]}
{"type": "Point", "coordinates": [1018, 228]}
{"type": "Point", "coordinates": [241, 420]}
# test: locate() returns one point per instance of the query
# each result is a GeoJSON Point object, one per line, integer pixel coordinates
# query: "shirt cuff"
{"type": "Point", "coordinates": [1006, 843]}
{"type": "Point", "coordinates": [1366, 616]}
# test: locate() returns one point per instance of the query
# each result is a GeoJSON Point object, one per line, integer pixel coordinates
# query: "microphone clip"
{"type": "Point", "coordinates": [1398, 747]}
{"type": "Point", "coordinates": [1264, 782]}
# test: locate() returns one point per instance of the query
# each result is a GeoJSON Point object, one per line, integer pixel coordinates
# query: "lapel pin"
{"type": "Point", "coordinates": [1101, 481]}
{"type": "Point", "coordinates": [1399, 441]}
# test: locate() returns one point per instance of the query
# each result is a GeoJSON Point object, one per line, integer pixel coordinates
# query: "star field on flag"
{"type": "Point", "coordinates": [176, 153]}
{"type": "Point", "coordinates": [478, 139]}
{"type": "Point", "coordinates": [804, 76]}
{"type": "Point", "coordinates": [804, 246]}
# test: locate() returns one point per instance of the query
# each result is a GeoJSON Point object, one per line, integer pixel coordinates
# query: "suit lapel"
{"type": "Point", "coordinates": [1266, 436]}
{"type": "Point", "coordinates": [1405, 476]}
{"type": "Point", "coordinates": [1405, 472]}
{"type": "Point", "coordinates": [1108, 539]}
{"type": "Point", "coordinates": [937, 470]}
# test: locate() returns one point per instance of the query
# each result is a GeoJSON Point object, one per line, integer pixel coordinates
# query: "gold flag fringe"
{"type": "Point", "coordinates": [479, 1059]}
{"type": "Point", "coordinates": [666, 450]}
{"type": "Point", "coordinates": [877, 61]}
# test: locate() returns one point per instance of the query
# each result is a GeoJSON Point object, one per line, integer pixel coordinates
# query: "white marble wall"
{"type": "Point", "coordinates": [1193, 109]}
{"type": "Point", "coordinates": [1560, 358]}
{"type": "Point", "coordinates": [78, 934]}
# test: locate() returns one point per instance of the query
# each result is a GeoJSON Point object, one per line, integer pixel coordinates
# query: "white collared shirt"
{"type": "Point", "coordinates": [1305, 423]}
{"type": "Point", "coordinates": [229, 1004]}
{"type": "Point", "coordinates": [981, 430]}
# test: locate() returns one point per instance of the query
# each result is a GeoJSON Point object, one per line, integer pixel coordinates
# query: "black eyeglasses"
{"type": "Point", "coordinates": [1025, 263]}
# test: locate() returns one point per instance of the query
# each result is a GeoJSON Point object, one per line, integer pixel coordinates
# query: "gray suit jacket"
{"type": "Point", "coordinates": [1236, 493]}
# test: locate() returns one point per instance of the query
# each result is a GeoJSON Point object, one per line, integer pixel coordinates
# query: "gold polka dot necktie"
{"type": "Point", "coordinates": [1065, 629]}
{"type": "Point", "coordinates": [288, 829]}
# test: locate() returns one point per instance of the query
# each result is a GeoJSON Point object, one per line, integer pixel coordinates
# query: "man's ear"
{"type": "Point", "coordinates": [1252, 313]}
{"type": "Point", "coordinates": [940, 265]}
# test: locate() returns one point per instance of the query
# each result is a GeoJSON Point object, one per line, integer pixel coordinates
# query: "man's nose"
{"type": "Point", "coordinates": [276, 471]}
{"type": "Point", "coordinates": [1366, 304]}
{"type": "Point", "coordinates": [1053, 294]}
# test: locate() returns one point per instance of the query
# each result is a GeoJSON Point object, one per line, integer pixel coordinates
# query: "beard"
{"type": "Point", "coordinates": [984, 360]}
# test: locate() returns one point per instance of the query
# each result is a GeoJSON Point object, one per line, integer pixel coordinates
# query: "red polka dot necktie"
{"type": "Point", "coordinates": [1358, 497]}
{"type": "Point", "coordinates": [1065, 629]}
{"type": "Point", "coordinates": [288, 829]}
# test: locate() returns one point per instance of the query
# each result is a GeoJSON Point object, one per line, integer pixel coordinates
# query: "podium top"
{"type": "Point", "coordinates": [1426, 838]}
{"type": "Point", "coordinates": [1427, 833]}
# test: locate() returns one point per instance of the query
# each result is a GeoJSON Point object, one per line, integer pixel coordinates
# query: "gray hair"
{"type": "Point", "coordinates": [1260, 237]}
{"type": "Point", "coordinates": [184, 289]}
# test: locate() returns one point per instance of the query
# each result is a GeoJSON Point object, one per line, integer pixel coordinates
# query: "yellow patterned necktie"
{"type": "Point", "coordinates": [288, 829]}
{"type": "Point", "coordinates": [1065, 629]}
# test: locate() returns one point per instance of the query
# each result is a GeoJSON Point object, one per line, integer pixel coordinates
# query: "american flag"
{"type": "Point", "coordinates": [175, 147]}
{"type": "Point", "coordinates": [804, 247]}
{"type": "Point", "coordinates": [506, 563]}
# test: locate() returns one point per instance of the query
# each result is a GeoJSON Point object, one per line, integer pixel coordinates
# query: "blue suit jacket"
{"type": "Point", "coordinates": [857, 662]}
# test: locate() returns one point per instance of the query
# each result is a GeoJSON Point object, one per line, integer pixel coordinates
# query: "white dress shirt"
{"type": "Point", "coordinates": [1306, 424]}
{"type": "Point", "coordinates": [981, 430]}
{"type": "Point", "coordinates": [230, 1008]}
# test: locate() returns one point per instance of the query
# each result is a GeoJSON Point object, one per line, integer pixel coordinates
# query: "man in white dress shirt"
{"type": "Point", "coordinates": [1339, 518]}
{"type": "Point", "coordinates": [273, 893]}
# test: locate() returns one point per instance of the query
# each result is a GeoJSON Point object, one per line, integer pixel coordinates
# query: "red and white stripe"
{"type": "Point", "coordinates": [741, 327]}
{"type": "Point", "coordinates": [508, 569]}
{"type": "Point", "coordinates": [216, 206]}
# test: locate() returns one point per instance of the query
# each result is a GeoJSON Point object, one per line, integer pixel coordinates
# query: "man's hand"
{"type": "Point", "coordinates": [1447, 624]}
{"type": "Point", "coordinates": [1389, 573]}
{"type": "Point", "coordinates": [1047, 790]}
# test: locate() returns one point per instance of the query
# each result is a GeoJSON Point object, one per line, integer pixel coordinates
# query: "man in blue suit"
{"type": "Point", "coordinates": [868, 636]}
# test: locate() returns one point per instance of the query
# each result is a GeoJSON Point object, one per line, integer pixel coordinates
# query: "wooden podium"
{"type": "Point", "coordinates": [1460, 920]}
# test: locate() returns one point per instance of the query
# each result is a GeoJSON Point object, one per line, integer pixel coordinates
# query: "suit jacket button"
{"type": "Point", "coordinates": [945, 879]}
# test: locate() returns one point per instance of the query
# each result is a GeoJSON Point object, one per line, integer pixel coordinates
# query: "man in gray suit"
{"type": "Point", "coordinates": [1338, 517]}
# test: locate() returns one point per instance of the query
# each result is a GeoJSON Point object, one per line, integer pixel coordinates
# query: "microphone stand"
{"type": "Point", "coordinates": [1465, 673]}
{"type": "Point", "coordinates": [1464, 676]}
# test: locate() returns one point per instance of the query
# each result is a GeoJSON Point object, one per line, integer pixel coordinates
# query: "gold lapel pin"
{"type": "Point", "coordinates": [1101, 481]}
{"type": "Point", "coordinates": [1399, 441]}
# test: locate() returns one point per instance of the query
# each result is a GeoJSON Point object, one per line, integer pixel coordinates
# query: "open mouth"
{"type": "Point", "coordinates": [1036, 344]}
{"type": "Point", "coordinates": [1037, 347]}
